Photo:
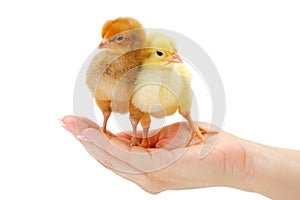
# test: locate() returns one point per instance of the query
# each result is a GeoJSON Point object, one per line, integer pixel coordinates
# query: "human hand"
{"type": "Point", "coordinates": [168, 166]}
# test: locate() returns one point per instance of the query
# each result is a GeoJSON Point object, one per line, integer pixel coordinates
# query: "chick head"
{"type": "Point", "coordinates": [160, 56]}
{"type": "Point", "coordinates": [161, 49]}
{"type": "Point", "coordinates": [123, 34]}
{"type": "Point", "coordinates": [160, 40]}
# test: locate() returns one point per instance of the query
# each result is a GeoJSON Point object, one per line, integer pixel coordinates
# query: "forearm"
{"type": "Point", "coordinates": [271, 171]}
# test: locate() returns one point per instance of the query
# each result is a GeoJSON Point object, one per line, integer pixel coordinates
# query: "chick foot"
{"type": "Point", "coordinates": [204, 131]}
{"type": "Point", "coordinates": [195, 130]}
{"type": "Point", "coordinates": [134, 141]}
{"type": "Point", "coordinates": [145, 142]}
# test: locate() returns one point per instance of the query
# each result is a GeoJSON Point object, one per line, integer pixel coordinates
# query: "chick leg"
{"type": "Point", "coordinates": [106, 116]}
{"type": "Point", "coordinates": [145, 122]}
{"type": "Point", "coordinates": [134, 123]}
{"type": "Point", "coordinates": [105, 107]}
{"type": "Point", "coordinates": [135, 117]}
{"type": "Point", "coordinates": [195, 130]}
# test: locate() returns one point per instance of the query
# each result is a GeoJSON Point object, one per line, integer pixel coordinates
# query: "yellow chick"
{"type": "Point", "coordinates": [162, 87]}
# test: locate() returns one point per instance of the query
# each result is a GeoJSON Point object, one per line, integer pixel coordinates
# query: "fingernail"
{"type": "Point", "coordinates": [62, 124]}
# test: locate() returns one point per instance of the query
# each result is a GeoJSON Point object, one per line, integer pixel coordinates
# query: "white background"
{"type": "Point", "coordinates": [255, 46]}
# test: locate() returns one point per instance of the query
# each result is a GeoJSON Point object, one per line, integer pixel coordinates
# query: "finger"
{"type": "Point", "coordinates": [107, 160]}
{"type": "Point", "coordinates": [127, 136]}
{"type": "Point", "coordinates": [124, 135]}
{"type": "Point", "coordinates": [116, 165]}
{"type": "Point", "coordinates": [76, 124]}
{"type": "Point", "coordinates": [89, 122]}
{"type": "Point", "coordinates": [96, 144]}
{"type": "Point", "coordinates": [169, 137]}
{"type": "Point", "coordinates": [145, 160]}
{"type": "Point", "coordinates": [168, 134]}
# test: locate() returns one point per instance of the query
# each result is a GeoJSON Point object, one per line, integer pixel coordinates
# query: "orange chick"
{"type": "Point", "coordinates": [120, 36]}
{"type": "Point", "coordinates": [162, 87]}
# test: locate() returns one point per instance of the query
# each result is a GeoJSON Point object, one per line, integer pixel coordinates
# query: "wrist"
{"type": "Point", "coordinates": [269, 171]}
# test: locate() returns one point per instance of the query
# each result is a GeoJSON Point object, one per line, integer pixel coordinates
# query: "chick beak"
{"type": "Point", "coordinates": [103, 44]}
{"type": "Point", "coordinates": [175, 58]}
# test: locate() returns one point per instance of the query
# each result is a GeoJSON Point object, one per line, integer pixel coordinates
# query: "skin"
{"type": "Point", "coordinates": [232, 162]}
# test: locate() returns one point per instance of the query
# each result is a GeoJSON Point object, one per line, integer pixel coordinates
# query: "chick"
{"type": "Point", "coordinates": [120, 36]}
{"type": "Point", "coordinates": [162, 87]}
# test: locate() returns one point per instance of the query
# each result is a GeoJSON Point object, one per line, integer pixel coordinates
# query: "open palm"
{"type": "Point", "coordinates": [168, 164]}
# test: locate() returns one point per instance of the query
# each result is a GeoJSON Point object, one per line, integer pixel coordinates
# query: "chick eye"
{"type": "Point", "coordinates": [120, 38]}
{"type": "Point", "coordinates": [159, 53]}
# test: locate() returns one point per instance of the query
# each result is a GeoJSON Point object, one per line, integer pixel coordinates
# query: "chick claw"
{"type": "Point", "coordinates": [134, 142]}
{"type": "Point", "coordinates": [195, 131]}
{"type": "Point", "coordinates": [107, 132]}
{"type": "Point", "coordinates": [145, 143]}
{"type": "Point", "coordinates": [199, 135]}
